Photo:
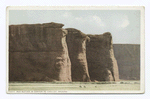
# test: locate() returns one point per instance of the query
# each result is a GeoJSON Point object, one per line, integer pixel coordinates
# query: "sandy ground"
{"type": "Point", "coordinates": [74, 86]}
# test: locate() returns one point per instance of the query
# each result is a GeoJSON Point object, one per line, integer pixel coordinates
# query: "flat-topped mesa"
{"type": "Point", "coordinates": [76, 41]}
{"type": "Point", "coordinates": [100, 57]}
{"type": "Point", "coordinates": [38, 52]}
{"type": "Point", "coordinates": [128, 59]}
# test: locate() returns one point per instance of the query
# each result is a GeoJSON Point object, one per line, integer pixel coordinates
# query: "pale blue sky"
{"type": "Point", "coordinates": [124, 25]}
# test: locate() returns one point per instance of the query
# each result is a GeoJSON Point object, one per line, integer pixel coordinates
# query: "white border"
{"type": "Point", "coordinates": [142, 50]}
{"type": "Point", "coordinates": [75, 8]}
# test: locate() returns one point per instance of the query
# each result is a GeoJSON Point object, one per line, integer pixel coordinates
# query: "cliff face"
{"type": "Point", "coordinates": [76, 41]}
{"type": "Point", "coordinates": [38, 52]}
{"type": "Point", "coordinates": [100, 57]}
{"type": "Point", "coordinates": [128, 58]}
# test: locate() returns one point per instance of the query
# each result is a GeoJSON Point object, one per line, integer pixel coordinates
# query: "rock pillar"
{"type": "Point", "coordinates": [76, 41]}
{"type": "Point", "coordinates": [100, 57]}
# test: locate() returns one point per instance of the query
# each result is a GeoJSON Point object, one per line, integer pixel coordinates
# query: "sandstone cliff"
{"type": "Point", "coordinates": [76, 41]}
{"type": "Point", "coordinates": [38, 52]}
{"type": "Point", "coordinates": [100, 57]}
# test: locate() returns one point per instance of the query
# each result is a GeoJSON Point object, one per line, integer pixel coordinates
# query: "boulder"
{"type": "Point", "coordinates": [38, 52]}
{"type": "Point", "coordinates": [76, 41]}
{"type": "Point", "coordinates": [100, 58]}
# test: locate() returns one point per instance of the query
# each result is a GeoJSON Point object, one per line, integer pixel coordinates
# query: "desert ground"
{"type": "Point", "coordinates": [74, 86]}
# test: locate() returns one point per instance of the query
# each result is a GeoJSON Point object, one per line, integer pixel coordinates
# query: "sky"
{"type": "Point", "coordinates": [124, 25]}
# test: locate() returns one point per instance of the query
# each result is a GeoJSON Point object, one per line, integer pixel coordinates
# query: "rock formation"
{"type": "Point", "coordinates": [76, 41]}
{"type": "Point", "coordinates": [128, 59]}
{"type": "Point", "coordinates": [38, 52]}
{"type": "Point", "coordinates": [100, 57]}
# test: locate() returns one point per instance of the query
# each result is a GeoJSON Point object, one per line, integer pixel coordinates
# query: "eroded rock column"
{"type": "Point", "coordinates": [38, 52]}
{"type": "Point", "coordinates": [100, 57]}
{"type": "Point", "coordinates": [76, 41]}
